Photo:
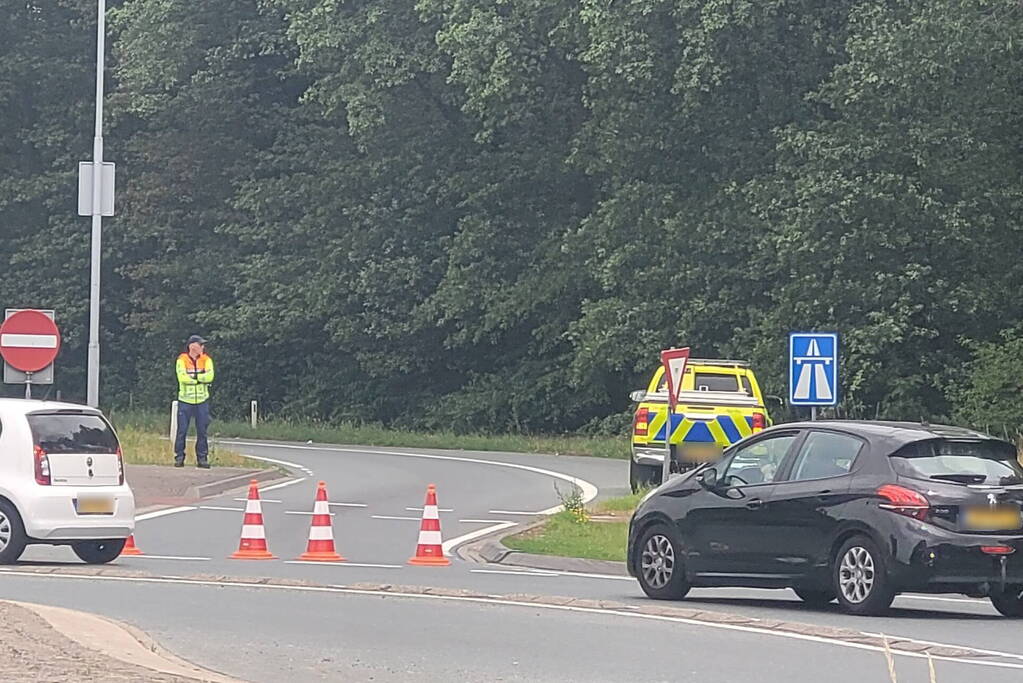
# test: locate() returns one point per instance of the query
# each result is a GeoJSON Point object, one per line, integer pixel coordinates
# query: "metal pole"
{"type": "Point", "coordinates": [28, 385]}
{"type": "Point", "coordinates": [97, 211]}
{"type": "Point", "coordinates": [813, 413]}
{"type": "Point", "coordinates": [666, 466]}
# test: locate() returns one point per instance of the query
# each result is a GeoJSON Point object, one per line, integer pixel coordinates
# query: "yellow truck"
{"type": "Point", "coordinates": [719, 403]}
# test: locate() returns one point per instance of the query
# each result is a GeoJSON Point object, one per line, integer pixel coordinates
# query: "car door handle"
{"type": "Point", "coordinates": [755, 504]}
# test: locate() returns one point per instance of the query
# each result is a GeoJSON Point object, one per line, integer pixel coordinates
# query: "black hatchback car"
{"type": "Point", "coordinates": [853, 511]}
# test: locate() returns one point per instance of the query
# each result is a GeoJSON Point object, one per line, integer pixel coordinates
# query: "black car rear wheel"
{"type": "Point", "coordinates": [815, 597]}
{"type": "Point", "coordinates": [98, 552]}
{"type": "Point", "coordinates": [660, 565]}
{"type": "Point", "coordinates": [1009, 602]}
{"type": "Point", "coordinates": [861, 579]}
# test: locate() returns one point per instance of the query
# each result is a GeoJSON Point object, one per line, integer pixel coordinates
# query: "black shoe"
{"type": "Point", "coordinates": [179, 463]}
{"type": "Point", "coordinates": [203, 465]}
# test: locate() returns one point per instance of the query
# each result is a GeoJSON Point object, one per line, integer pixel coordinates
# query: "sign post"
{"type": "Point", "coordinates": [813, 370]}
{"type": "Point", "coordinates": [29, 343]}
{"type": "Point", "coordinates": [674, 362]}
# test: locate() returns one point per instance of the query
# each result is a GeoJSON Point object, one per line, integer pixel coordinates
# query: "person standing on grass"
{"type": "Point", "coordinates": [195, 375]}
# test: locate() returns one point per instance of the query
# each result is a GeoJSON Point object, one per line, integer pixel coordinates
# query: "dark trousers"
{"type": "Point", "coordinates": [199, 412]}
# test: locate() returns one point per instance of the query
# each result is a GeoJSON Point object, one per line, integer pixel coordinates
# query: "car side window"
{"type": "Point", "coordinates": [824, 455]}
{"type": "Point", "coordinates": [758, 463]}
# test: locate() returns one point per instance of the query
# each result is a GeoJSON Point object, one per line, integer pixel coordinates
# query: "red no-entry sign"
{"type": "Point", "coordinates": [29, 341]}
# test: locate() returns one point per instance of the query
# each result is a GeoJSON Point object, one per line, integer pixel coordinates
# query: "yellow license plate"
{"type": "Point", "coordinates": [94, 505]}
{"type": "Point", "coordinates": [994, 519]}
{"type": "Point", "coordinates": [700, 453]}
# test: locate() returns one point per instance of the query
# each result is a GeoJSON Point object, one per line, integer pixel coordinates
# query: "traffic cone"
{"type": "Point", "coordinates": [130, 548]}
{"type": "Point", "coordinates": [253, 542]}
{"type": "Point", "coordinates": [429, 551]}
{"type": "Point", "coordinates": [321, 532]}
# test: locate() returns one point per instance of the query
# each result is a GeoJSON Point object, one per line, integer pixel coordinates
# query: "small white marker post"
{"type": "Point", "coordinates": [254, 413]}
{"type": "Point", "coordinates": [174, 422]}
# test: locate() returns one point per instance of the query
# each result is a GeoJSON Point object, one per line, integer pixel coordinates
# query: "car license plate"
{"type": "Point", "coordinates": [994, 519]}
{"type": "Point", "coordinates": [94, 505]}
{"type": "Point", "coordinates": [707, 453]}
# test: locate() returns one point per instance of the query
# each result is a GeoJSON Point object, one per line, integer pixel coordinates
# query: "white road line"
{"type": "Point", "coordinates": [942, 599]}
{"type": "Point", "coordinates": [449, 545]}
{"type": "Point", "coordinates": [302, 512]}
{"type": "Point", "coordinates": [406, 519]}
{"type": "Point", "coordinates": [220, 508]}
{"type": "Point", "coordinates": [421, 509]}
{"type": "Point", "coordinates": [168, 557]}
{"type": "Point", "coordinates": [513, 512]}
{"type": "Point", "coordinates": [513, 573]}
{"type": "Point", "coordinates": [261, 500]}
{"type": "Point", "coordinates": [349, 505]}
{"type": "Point", "coordinates": [303, 468]}
{"type": "Point", "coordinates": [283, 484]}
{"type": "Point", "coordinates": [344, 590]}
{"type": "Point", "coordinates": [348, 564]}
{"type": "Point", "coordinates": [163, 513]}
{"type": "Point", "coordinates": [482, 521]}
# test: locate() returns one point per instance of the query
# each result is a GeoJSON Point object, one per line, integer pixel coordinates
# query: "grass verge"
{"type": "Point", "coordinates": [374, 435]}
{"type": "Point", "coordinates": [142, 447]}
{"type": "Point", "coordinates": [601, 538]}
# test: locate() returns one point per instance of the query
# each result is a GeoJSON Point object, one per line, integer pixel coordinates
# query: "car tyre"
{"type": "Point", "coordinates": [98, 552]}
{"type": "Point", "coordinates": [12, 534]}
{"type": "Point", "coordinates": [860, 576]}
{"type": "Point", "coordinates": [660, 564]}
{"type": "Point", "coordinates": [815, 597]}
{"type": "Point", "coordinates": [1009, 602]}
{"type": "Point", "coordinates": [643, 476]}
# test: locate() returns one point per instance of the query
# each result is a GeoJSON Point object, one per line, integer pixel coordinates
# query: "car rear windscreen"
{"type": "Point", "coordinates": [712, 381]}
{"type": "Point", "coordinates": [993, 463]}
{"type": "Point", "coordinates": [72, 433]}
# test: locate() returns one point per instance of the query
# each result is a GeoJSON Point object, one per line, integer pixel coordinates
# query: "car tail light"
{"type": "Point", "coordinates": [997, 549]}
{"type": "Point", "coordinates": [120, 466]}
{"type": "Point", "coordinates": [904, 501]}
{"type": "Point", "coordinates": [642, 422]}
{"type": "Point", "coordinates": [42, 464]}
{"type": "Point", "coordinates": [759, 421]}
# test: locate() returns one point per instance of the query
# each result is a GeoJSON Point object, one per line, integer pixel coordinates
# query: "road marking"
{"type": "Point", "coordinates": [589, 491]}
{"type": "Point", "coordinates": [421, 509]}
{"type": "Point", "coordinates": [513, 512]}
{"type": "Point", "coordinates": [349, 505]}
{"type": "Point", "coordinates": [283, 484]}
{"type": "Point", "coordinates": [261, 500]}
{"type": "Point", "coordinates": [302, 512]}
{"type": "Point", "coordinates": [406, 519]}
{"type": "Point", "coordinates": [941, 599]}
{"type": "Point", "coordinates": [514, 573]}
{"type": "Point", "coordinates": [552, 572]}
{"type": "Point", "coordinates": [163, 513]}
{"type": "Point", "coordinates": [627, 613]}
{"type": "Point", "coordinates": [449, 545]}
{"type": "Point", "coordinates": [303, 468]}
{"type": "Point", "coordinates": [348, 564]}
{"type": "Point", "coordinates": [220, 508]}
{"type": "Point", "coordinates": [482, 521]}
{"type": "Point", "coordinates": [147, 556]}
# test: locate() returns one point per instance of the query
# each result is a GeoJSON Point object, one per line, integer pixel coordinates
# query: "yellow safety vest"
{"type": "Point", "coordinates": [194, 378]}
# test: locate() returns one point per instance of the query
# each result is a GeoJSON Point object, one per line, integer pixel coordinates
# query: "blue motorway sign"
{"type": "Point", "coordinates": [813, 368]}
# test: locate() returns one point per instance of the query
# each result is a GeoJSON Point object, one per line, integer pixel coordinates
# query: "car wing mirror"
{"type": "Point", "coordinates": [639, 395]}
{"type": "Point", "coordinates": [709, 478]}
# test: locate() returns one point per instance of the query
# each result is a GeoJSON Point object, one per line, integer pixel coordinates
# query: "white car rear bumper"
{"type": "Point", "coordinates": [50, 515]}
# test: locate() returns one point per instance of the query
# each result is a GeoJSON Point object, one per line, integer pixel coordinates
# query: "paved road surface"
{"type": "Point", "coordinates": [260, 633]}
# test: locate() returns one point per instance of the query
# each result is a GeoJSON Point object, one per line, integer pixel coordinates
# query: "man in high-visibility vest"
{"type": "Point", "coordinates": [195, 374]}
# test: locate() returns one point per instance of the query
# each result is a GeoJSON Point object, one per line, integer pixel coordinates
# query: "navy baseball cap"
{"type": "Point", "coordinates": [196, 339]}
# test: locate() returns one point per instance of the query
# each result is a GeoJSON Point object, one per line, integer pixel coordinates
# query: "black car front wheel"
{"type": "Point", "coordinates": [660, 565]}
{"type": "Point", "coordinates": [1009, 602]}
{"type": "Point", "coordinates": [861, 579]}
{"type": "Point", "coordinates": [98, 552]}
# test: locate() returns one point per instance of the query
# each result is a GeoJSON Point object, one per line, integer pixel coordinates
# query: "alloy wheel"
{"type": "Point", "coordinates": [5, 531]}
{"type": "Point", "coordinates": [856, 574]}
{"type": "Point", "coordinates": [658, 561]}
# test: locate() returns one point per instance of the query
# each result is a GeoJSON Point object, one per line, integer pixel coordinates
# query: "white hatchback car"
{"type": "Point", "coordinates": [61, 481]}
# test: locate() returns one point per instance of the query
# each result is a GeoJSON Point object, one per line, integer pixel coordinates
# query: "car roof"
{"type": "Point", "coordinates": [893, 434]}
{"type": "Point", "coordinates": [23, 406]}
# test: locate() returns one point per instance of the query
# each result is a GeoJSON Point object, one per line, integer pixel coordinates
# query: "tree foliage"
{"type": "Point", "coordinates": [491, 215]}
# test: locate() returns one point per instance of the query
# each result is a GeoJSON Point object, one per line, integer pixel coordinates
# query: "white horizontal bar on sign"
{"type": "Point", "coordinates": [29, 341]}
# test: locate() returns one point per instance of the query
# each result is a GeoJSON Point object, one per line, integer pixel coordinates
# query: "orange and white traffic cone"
{"type": "Point", "coordinates": [253, 542]}
{"type": "Point", "coordinates": [321, 532]}
{"type": "Point", "coordinates": [130, 548]}
{"type": "Point", "coordinates": [429, 552]}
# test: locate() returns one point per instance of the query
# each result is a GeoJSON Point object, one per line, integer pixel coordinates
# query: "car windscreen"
{"type": "Point", "coordinates": [994, 463]}
{"type": "Point", "coordinates": [72, 433]}
{"type": "Point", "coordinates": [714, 381]}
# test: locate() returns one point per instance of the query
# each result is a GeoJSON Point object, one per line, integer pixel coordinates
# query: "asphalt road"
{"type": "Point", "coordinates": [331, 633]}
